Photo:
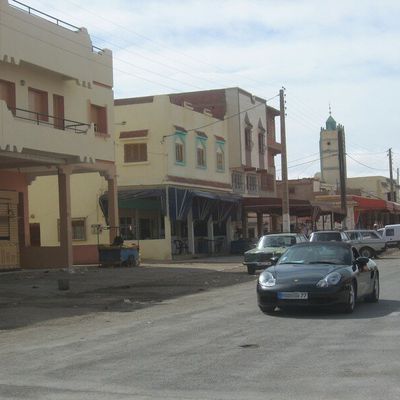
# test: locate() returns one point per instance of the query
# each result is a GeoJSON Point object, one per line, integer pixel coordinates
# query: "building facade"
{"type": "Point", "coordinates": [55, 121]}
{"type": "Point", "coordinates": [175, 192]}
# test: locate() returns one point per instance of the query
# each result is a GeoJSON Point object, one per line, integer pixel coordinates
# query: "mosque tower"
{"type": "Point", "coordinates": [329, 151]}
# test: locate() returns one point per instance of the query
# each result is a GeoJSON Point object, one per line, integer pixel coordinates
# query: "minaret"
{"type": "Point", "coordinates": [329, 151]}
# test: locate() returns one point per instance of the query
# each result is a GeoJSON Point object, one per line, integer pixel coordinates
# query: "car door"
{"type": "Point", "coordinates": [363, 277]}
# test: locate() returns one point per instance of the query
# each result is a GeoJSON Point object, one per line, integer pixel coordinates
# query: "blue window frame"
{"type": "Point", "coordinates": [180, 148]}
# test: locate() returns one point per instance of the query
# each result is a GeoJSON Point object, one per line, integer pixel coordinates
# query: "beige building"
{"type": "Point", "coordinates": [372, 186]}
{"type": "Point", "coordinates": [175, 193]}
{"type": "Point", "coordinates": [55, 121]}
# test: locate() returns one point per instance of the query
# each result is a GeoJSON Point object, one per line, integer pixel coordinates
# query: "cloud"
{"type": "Point", "coordinates": [343, 52]}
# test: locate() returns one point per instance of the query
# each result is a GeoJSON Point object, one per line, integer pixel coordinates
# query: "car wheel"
{"type": "Point", "coordinates": [367, 252]}
{"type": "Point", "coordinates": [267, 309]}
{"type": "Point", "coordinates": [251, 270]}
{"type": "Point", "coordinates": [374, 296]}
{"type": "Point", "coordinates": [351, 300]}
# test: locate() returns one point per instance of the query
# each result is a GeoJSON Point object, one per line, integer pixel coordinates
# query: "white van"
{"type": "Point", "coordinates": [391, 235]}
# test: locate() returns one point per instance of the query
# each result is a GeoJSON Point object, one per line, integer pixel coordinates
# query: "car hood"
{"type": "Point", "coordinates": [302, 273]}
{"type": "Point", "coordinates": [277, 250]}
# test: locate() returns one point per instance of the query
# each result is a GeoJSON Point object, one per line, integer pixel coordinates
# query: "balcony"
{"type": "Point", "coordinates": [25, 133]}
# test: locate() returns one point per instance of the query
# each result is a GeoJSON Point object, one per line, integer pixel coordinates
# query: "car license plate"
{"type": "Point", "coordinates": [293, 295]}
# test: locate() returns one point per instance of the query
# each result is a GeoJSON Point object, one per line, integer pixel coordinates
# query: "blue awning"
{"type": "Point", "coordinates": [203, 203]}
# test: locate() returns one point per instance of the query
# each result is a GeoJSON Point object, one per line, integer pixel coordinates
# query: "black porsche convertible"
{"type": "Point", "coordinates": [318, 274]}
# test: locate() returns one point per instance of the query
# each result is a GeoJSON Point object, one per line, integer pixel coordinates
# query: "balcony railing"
{"type": "Point", "coordinates": [34, 11]}
{"type": "Point", "coordinates": [49, 120]}
{"type": "Point", "coordinates": [50, 18]}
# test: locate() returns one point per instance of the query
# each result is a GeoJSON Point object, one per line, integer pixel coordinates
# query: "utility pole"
{"type": "Point", "coordinates": [285, 186]}
{"type": "Point", "coordinates": [342, 174]}
{"type": "Point", "coordinates": [392, 194]}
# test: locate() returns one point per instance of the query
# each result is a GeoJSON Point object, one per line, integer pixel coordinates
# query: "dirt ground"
{"type": "Point", "coordinates": [33, 296]}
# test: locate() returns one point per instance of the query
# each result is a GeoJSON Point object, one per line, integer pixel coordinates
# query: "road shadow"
{"type": "Point", "coordinates": [363, 310]}
{"type": "Point", "coordinates": [30, 297]}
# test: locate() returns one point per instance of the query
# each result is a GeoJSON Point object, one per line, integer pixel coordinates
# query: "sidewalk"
{"type": "Point", "coordinates": [33, 296]}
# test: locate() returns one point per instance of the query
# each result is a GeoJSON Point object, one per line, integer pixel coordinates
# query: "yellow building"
{"type": "Point", "coordinates": [55, 121]}
{"type": "Point", "coordinates": [174, 182]}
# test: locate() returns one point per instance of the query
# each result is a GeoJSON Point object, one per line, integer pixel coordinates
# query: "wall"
{"type": "Point", "coordinates": [85, 192]}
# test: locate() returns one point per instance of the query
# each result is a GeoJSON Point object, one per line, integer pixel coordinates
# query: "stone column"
{"type": "Point", "coordinates": [210, 235]}
{"type": "Point", "coordinates": [64, 193]}
{"type": "Point", "coordinates": [260, 224]}
{"type": "Point", "coordinates": [113, 218]}
{"type": "Point", "coordinates": [229, 232]}
{"type": "Point", "coordinates": [190, 227]}
{"type": "Point", "coordinates": [245, 231]}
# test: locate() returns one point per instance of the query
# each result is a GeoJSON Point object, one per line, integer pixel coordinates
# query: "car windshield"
{"type": "Point", "coordinates": [276, 241]}
{"type": "Point", "coordinates": [322, 254]}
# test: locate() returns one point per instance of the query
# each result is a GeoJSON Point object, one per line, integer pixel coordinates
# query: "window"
{"type": "Point", "coordinates": [369, 235]}
{"type": "Point", "coordinates": [78, 229]}
{"type": "Point", "coordinates": [389, 232]}
{"type": "Point", "coordinates": [135, 152]}
{"type": "Point", "coordinates": [180, 150]}
{"type": "Point", "coordinates": [98, 115]}
{"type": "Point", "coordinates": [247, 138]}
{"type": "Point", "coordinates": [4, 221]}
{"type": "Point", "coordinates": [201, 153]}
{"type": "Point", "coordinates": [251, 183]}
{"type": "Point", "coordinates": [38, 104]}
{"type": "Point", "coordinates": [220, 158]}
{"type": "Point", "coordinates": [7, 93]}
{"type": "Point", "coordinates": [237, 182]}
{"type": "Point", "coordinates": [180, 137]}
{"type": "Point", "coordinates": [261, 143]}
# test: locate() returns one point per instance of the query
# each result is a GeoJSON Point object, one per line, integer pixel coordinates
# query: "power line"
{"type": "Point", "coordinates": [365, 165]}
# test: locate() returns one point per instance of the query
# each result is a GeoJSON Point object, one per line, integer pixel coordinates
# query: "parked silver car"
{"type": "Point", "coordinates": [368, 242]}
{"type": "Point", "coordinates": [329, 236]}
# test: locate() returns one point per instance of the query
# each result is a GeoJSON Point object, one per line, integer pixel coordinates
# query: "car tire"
{"type": "Point", "coordinates": [374, 296]}
{"type": "Point", "coordinates": [351, 300]}
{"type": "Point", "coordinates": [268, 309]}
{"type": "Point", "coordinates": [251, 270]}
{"type": "Point", "coordinates": [367, 252]}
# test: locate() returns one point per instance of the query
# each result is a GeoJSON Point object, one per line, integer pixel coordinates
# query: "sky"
{"type": "Point", "coordinates": [344, 54]}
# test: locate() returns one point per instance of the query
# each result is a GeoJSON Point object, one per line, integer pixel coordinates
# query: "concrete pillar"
{"type": "Point", "coordinates": [210, 235]}
{"type": "Point", "coordinates": [260, 224]}
{"type": "Point", "coordinates": [190, 229]}
{"type": "Point", "coordinates": [113, 218]}
{"type": "Point", "coordinates": [168, 236]}
{"type": "Point", "coordinates": [229, 232]}
{"type": "Point", "coordinates": [64, 194]}
{"type": "Point", "coordinates": [245, 230]}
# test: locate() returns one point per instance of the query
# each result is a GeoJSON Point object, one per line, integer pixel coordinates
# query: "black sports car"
{"type": "Point", "coordinates": [318, 274]}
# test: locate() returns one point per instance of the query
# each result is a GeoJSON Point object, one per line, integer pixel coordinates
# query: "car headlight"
{"type": "Point", "coordinates": [330, 280]}
{"type": "Point", "coordinates": [266, 279]}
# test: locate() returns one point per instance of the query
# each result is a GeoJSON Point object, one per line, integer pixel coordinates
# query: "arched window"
{"type": "Point", "coordinates": [201, 153]}
{"type": "Point", "coordinates": [220, 157]}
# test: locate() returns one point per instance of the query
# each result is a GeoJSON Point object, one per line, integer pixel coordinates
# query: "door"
{"type": "Point", "coordinates": [34, 230]}
{"type": "Point", "coordinates": [58, 111]}
{"type": "Point", "coordinates": [38, 105]}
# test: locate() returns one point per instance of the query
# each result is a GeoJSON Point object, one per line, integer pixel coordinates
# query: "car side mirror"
{"type": "Point", "coordinates": [274, 260]}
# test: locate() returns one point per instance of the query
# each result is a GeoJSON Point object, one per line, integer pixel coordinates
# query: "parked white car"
{"type": "Point", "coordinates": [391, 235]}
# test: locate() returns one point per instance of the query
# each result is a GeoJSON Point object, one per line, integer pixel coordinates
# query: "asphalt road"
{"type": "Point", "coordinates": [214, 344]}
